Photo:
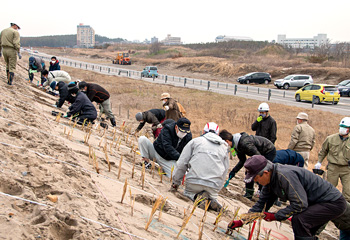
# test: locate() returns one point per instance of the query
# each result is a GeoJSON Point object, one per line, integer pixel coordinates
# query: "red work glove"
{"type": "Point", "coordinates": [235, 224]}
{"type": "Point", "coordinates": [269, 217]}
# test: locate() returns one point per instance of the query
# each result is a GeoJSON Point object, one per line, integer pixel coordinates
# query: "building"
{"type": "Point", "coordinates": [316, 41]}
{"type": "Point", "coordinates": [169, 40]}
{"type": "Point", "coordinates": [223, 38]}
{"type": "Point", "coordinates": [85, 36]}
{"type": "Point", "coordinates": [154, 40]}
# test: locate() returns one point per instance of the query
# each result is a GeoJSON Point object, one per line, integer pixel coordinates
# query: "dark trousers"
{"type": "Point", "coordinates": [306, 223]}
{"type": "Point", "coordinates": [344, 235]}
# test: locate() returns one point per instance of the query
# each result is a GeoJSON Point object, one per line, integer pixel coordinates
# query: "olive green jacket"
{"type": "Point", "coordinates": [9, 37]}
{"type": "Point", "coordinates": [303, 138]}
{"type": "Point", "coordinates": [336, 150]}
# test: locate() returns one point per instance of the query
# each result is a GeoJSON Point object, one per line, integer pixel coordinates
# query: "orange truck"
{"type": "Point", "coordinates": [122, 59]}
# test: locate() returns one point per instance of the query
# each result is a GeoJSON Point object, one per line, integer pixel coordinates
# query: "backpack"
{"type": "Point", "coordinates": [181, 109]}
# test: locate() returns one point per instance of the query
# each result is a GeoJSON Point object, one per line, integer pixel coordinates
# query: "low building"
{"type": "Point", "coordinates": [169, 40]}
{"type": "Point", "coordinates": [223, 38]}
{"type": "Point", "coordinates": [316, 41]}
{"type": "Point", "coordinates": [154, 40]}
{"type": "Point", "coordinates": [85, 36]}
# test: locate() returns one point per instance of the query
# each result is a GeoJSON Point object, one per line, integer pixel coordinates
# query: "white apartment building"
{"type": "Point", "coordinates": [223, 38]}
{"type": "Point", "coordinates": [169, 40]}
{"type": "Point", "coordinates": [316, 41]}
{"type": "Point", "coordinates": [85, 36]}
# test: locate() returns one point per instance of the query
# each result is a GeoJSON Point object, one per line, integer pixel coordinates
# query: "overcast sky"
{"type": "Point", "coordinates": [193, 20]}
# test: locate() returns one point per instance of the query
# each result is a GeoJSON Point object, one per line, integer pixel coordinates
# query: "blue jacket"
{"type": "Point", "coordinates": [83, 106]}
{"type": "Point", "coordinates": [289, 157]}
{"type": "Point", "coordinates": [54, 67]}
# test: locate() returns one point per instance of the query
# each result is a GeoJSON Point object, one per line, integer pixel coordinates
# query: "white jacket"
{"type": "Point", "coordinates": [206, 160]}
{"type": "Point", "coordinates": [57, 76]}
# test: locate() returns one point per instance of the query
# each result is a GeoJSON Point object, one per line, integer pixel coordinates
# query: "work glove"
{"type": "Point", "coordinates": [19, 55]}
{"type": "Point", "coordinates": [235, 224]}
{"type": "Point", "coordinates": [269, 217]}
{"type": "Point", "coordinates": [65, 116]}
{"type": "Point", "coordinates": [318, 165]}
{"type": "Point", "coordinates": [159, 125]}
{"type": "Point", "coordinates": [174, 187]}
{"type": "Point", "coordinates": [54, 105]}
{"type": "Point", "coordinates": [259, 119]}
{"type": "Point", "coordinates": [166, 108]}
{"type": "Point", "coordinates": [32, 71]}
{"type": "Point", "coordinates": [231, 175]}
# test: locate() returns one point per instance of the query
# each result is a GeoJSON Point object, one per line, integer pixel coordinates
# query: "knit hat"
{"type": "Point", "coordinates": [53, 85]}
{"type": "Point", "coordinates": [139, 116]}
{"type": "Point", "coordinates": [72, 88]}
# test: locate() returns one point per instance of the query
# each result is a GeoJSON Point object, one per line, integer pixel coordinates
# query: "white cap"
{"type": "Point", "coordinates": [211, 127]}
{"type": "Point", "coordinates": [303, 116]}
{"type": "Point", "coordinates": [263, 107]}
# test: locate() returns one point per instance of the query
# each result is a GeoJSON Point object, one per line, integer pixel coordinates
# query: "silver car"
{"type": "Point", "coordinates": [295, 80]}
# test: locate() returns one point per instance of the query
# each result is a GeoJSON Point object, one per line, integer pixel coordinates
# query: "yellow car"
{"type": "Point", "coordinates": [322, 92]}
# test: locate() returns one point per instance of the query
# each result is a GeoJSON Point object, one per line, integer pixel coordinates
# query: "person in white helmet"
{"type": "Point", "coordinates": [265, 126]}
{"type": "Point", "coordinates": [206, 161]}
{"type": "Point", "coordinates": [303, 138]}
{"type": "Point", "coordinates": [337, 149]}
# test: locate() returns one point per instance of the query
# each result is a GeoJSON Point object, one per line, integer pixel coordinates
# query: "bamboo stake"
{"type": "Point", "coordinates": [259, 227]}
{"type": "Point", "coordinates": [171, 175]}
{"type": "Point", "coordinates": [132, 206]}
{"type": "Point", "coordinates": [124, 189]}
{"type": "Point", "coordinates": [64, 130]}
{"type": "Point", "coordinates": [160, 172]}
{"type": "Point", "coordinates": [152, 168]}
{"type": "Point", "coordinates": [58, 117]}
{"type": "Point", "coordinates": [218, 218]}
{"type": "Point", "coordinates": [120, 166]}
{"type": "Point", "coordinates": [119, 144]}
{"type": "Point", "coordinates": [201, 223]}
{"type": "Point", "coordinates": [143, 175]}
{"type": "Point", "coordinates": [89, 135]}
{"type": "Point", "coordinates": [127, 138]}
{"type": "Point", "coordinates": [96, 164]}
{"type": "Point", "coordinates": [116, 143]}
{"type": "Point", "coordinates": [154, 209]}
{"type": "Point", "coordinates": [268, 234]}
{"type": "Point", "coordinates": [133, 167]}
{"type": "Point", "coordinates": [109, 164]}
{"type": "Point", "coordinates": [83, 125]}
{"type": "Point", "coordinates": [89, 154]}
{"type": "Point", "coordinates": [161, 208]}
{"type": "Point", "coordinates": [70, 120]}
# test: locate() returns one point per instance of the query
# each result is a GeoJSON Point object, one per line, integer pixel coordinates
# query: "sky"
{"type": "Point", "coordinates": [193, 20]}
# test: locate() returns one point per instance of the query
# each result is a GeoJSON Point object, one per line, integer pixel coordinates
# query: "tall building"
{"type": "Point", "coordinates": [85, 36]}
{"type": "Point", "coordinates": [316, 41]}
{"type": "Point", "coordinates": [169, 40]}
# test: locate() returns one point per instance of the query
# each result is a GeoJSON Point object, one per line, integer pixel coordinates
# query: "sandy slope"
{"type": "Point", "coordinates": [39, 159]}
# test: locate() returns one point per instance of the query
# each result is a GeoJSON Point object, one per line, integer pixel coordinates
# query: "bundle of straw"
{"type": "Point", "coordinates": [120, 166]}
{"type": "Point", "coordinates": [154, 209]}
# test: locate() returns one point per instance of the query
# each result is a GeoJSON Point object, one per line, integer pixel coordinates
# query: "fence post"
{"type": "Point", "coordinates": [269, 95]}
{"type": "Point", "coordinates": [128, 113]}
{"type": "Point", "coordinates": [109, 70]}
{"type": "Point", "coordinates": [208, 85]}
{"type": "Point", "coordinates": [93, 67]}
{"type": "Point", "coordinates": [100, 69]}
{"type": "Point", "coordinates": [313, 100]}
{"type": "Point", "coordinates": [284, 94]}
{"type": "Point", "coordinates": [247, 89]}
{"type": "Point", "coordinates": [193, 81]}
{"type": "Point", "coordinates": [153, 77]}
{"type": "Point", "coordinates": [166, 78]}
{"type": "Point", "coordinates": [80, 65]}
{"type": "Point", "coordinates": [258, 90]}
{"type": "Point", "coordinates": [218, 85]}
{"type": "Point", "coordinates": [185, 80]}
{"type": "Point", "coordinates": [75, 64]}
{"type": "Point", "coordinates": [86, 66]}
{"type": "Point", "coordinates": [226, 85]}
{"type": "Point", "coordinates": [235, 89]}
{"type": "Point", "coordinates": [201, 82]}
{"type": "Point", "coordinates": [333, 102]}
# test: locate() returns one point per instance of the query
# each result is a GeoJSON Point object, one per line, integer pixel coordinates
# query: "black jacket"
{"type": "Point", "coordinates": [298, 185]}
{"type": "Point", "coordinates": [54, 67]}
{"type": "Point", "coordinates": [96, 93]}
{"type": "Point", "coordinates": [251, 145]}
{"type": "Point", "coordinates": [153, 116]}
{"type": "Point", "coordinates": [167, 144]}
{"type": "Point", "coordinates": [266, 128]}
{"type": "Point", "coordinates": [64, 95]}
{"type": "Point", "coordinates": [83, 106]}
{"type": "Point", "coordinates": [289, 157]}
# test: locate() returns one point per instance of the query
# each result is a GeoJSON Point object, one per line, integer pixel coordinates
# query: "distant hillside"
{"type": "Point", "coordinates": [61, 40]}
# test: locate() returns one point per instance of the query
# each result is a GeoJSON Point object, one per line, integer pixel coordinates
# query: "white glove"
{"type": "Point", "coordinates": [54, 105]}
{"type": "Point", "coordinates": [19, 55]}
{"type": "Point", "coordinates": [159, 125]}
{"type": "Point", "coordinates": [318, 165]}
{"type": "Point", "coordinates": [166, 108]}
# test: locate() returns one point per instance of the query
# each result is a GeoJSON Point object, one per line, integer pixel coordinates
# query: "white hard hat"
{"type": "Point", "coordinates": [345, 122]}
{"type": "Point", "coordinates": [211, 127]}
{"type": "Point", "coordinates": [263, 107]}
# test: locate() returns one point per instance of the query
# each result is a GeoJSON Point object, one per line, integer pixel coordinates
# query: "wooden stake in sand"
{"type": "Point", "coordinates": [120, 166]}
{"type": "Point", "coordinates": [143, 175]}
{"type": "Point", "coordinates": [132, 202]}
{"type": "Point", "coordinates": [154, 209]}
{"type": "Point", "coordinates": [116, 142]}
{"type": "Point", "coordinates": [107, 159]}
{"type": "Point", "coordinates": [171, 174]}
{"type": "Point", "coordinates": [64, 130]}
{"type": "Point", "coordinates": [133, 167]}
{"type": "Point", "coordinates": [152, 168]}
{"type": "Point", "coordinates": [218, 218]}
{"type": "Point", "coordinates": [90, 154]}
{"type": "Point", "coordinates": [124, 189]}
{"type": "Point", "coordinates": [160, 173]}
{"type": "Point", "coordinates": [96, 164]}
{"type": "Point", "coordinates": [201, 223]}
{"type": "Point", "coordinates": [188, 214]}
{"type": "Point", "coordinates": [58, 117]}
{"type": "Point", "coordinates": [161, 208]}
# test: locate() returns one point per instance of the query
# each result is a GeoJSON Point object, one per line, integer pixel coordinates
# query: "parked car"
{"type": "Point", "coordinates": [255, 77]}
{"type": "Point", "coordinates": [344, 83]}
{"type": "Point", "coordinates": [344, 90]}
{"type": "Point", "coordinates": [295, 80]}
{"type": "Point", "coordinates": [150, 71]}
{"type": "Point", "coordinates": [322, 92]}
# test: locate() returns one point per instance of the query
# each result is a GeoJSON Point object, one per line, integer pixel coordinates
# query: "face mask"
{"type": "Point", "coordinates": [181, 135]}
{"type": "Point", "coordinates": [164, 101]}
{"type": "Point", "coordinates": [263, 115]}
{"type": "Point", "coordinates": [53, 62]}
{"type": "Point", "coordinates": [343, 131]}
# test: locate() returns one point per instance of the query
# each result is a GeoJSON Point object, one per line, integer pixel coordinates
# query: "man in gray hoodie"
{"type": "Point", "coordinates": [206, 161]}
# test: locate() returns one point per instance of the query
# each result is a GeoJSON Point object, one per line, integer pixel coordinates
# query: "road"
{"type": "Point", "coordinates": [245, 91]}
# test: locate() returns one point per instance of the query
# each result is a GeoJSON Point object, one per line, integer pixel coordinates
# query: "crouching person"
{"type": "Point", "coordinates": [82, 108]}
{"type": "Point", "coordinates": [206, 161]}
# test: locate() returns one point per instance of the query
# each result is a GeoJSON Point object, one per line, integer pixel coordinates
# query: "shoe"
{"type": "Point", "coordinates": [11, 76]}
{"type": "Point", "coordinates": [148, 165]}
{"type": "Point", "coordinates": [214, 205]}
{"type": "Point", "coordinates": [104, 125]}
{"type": "Point", "coordinates": [113, 122]}
{"type": "Point", "coordinates": [249, 193]}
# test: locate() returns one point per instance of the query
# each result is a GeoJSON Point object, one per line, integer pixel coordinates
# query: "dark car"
{"type": "Point", "coordinates": [255, 77]}
{"type": "Point", "coordinates": [344, 90]}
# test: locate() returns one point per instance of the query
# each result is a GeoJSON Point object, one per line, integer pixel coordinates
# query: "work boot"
{"type": "Point", "coordinates": [113, 122]}
{"type": "Point", "coordinates": [202, 195]}
{"type": "Point", "coordinates": [215, 205]}
{"type": "Point", "coordinates": [12, 75]}
{"type": "Point", "coordinates": [249, 193]}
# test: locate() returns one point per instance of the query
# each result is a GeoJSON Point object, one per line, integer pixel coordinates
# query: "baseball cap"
{"type": "Point", "coordinates": [303, 116]}
{"type": "Point", "coordinates": [184, 125]}
{"type": "Point", "coordinates": [211, 127]}
{"type": "Point", "coordinates": [253, 166]}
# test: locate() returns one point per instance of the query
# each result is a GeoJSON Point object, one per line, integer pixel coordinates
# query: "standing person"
{"type": "Point", "coordinates": [36, 64]}
{"type": "Point", "coordinates": [170, 106]}
{"type": "Point", "coordinates": [54, 64]}
{"type": "Point", "coordinates": [265, 126]}
{"type": "Point", "coordinates": [205, 159]}
{"type": "Point", "coordinates": [101, 96]}
{"type": "Point", "coordinates": [154, 116]}
{"type": "Point", "coordinates": [313, 201]}
{"type": "Point", "coordinates": [303, 137]}
{"type": "Point", "coordinates": [10, 46]}
{"type": "Point", "coordinates": [82, 108]}
{"type": "Point", "coordinates": [58, 76]}
{"type": "Point", "coordinates": [337, 149]}
{"type": "Point", "coordinates": [243, 145]}
{"type": "Point", "coordinates": [167, 148]}
{"type": "Point", "coordinates": [62, 88]}
{"type": "Point", "coordinates": [289, 157]}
